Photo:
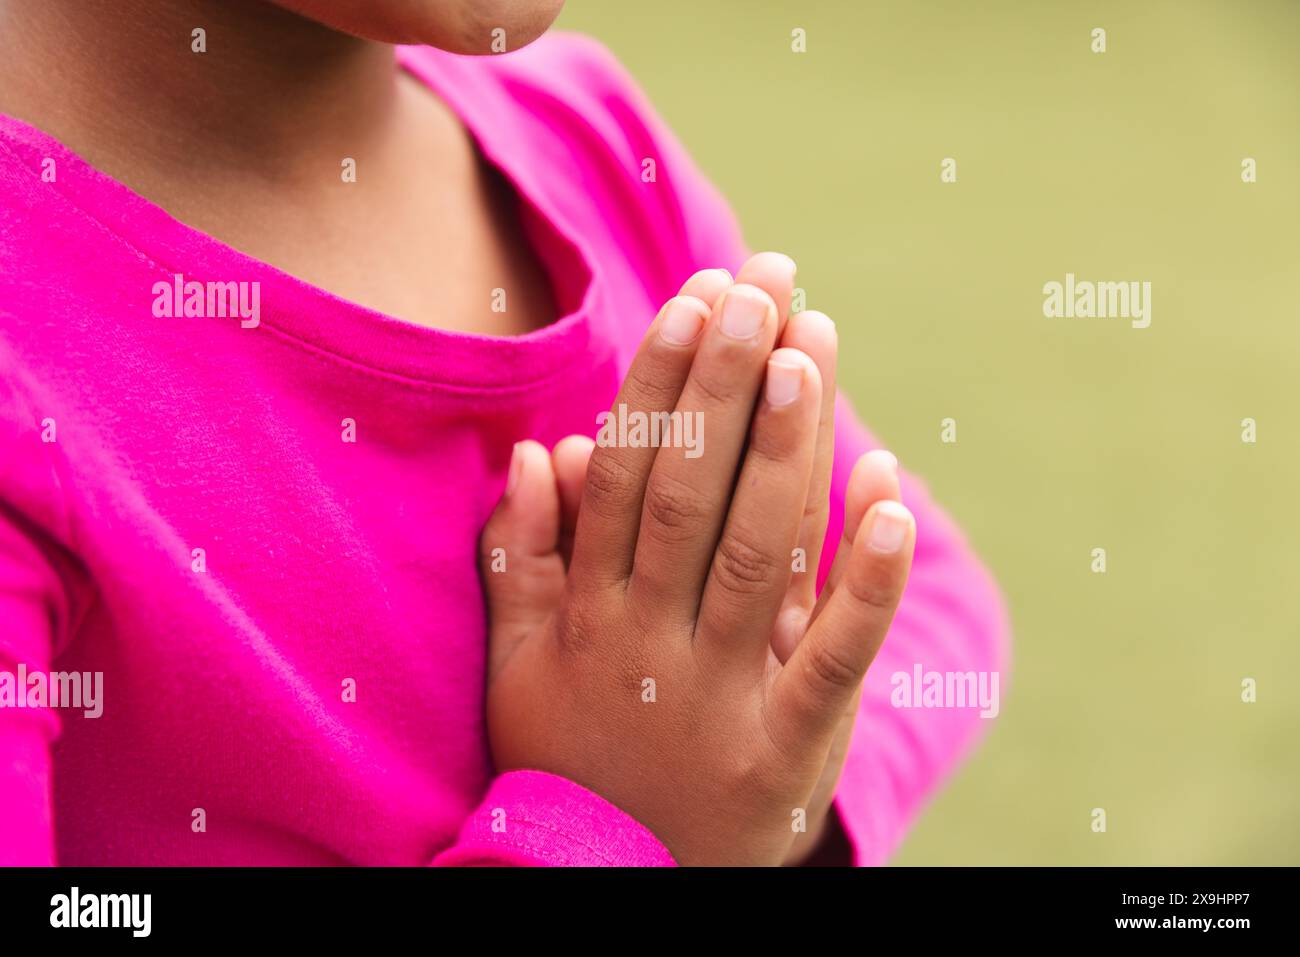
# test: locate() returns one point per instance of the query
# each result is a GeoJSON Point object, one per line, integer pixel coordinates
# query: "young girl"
{"type": "Point", "coordinates": [306, 323]}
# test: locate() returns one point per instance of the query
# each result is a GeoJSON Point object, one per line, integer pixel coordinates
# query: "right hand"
{"type": "Point", "coordinates": [679, 570]}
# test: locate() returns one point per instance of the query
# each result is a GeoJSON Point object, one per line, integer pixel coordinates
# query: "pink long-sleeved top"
{"type": "Point", "coordinates": [289, 626]}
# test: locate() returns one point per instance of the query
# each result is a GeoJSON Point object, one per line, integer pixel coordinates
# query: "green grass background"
{"type": "Point", "coordinates": [1072, 433]}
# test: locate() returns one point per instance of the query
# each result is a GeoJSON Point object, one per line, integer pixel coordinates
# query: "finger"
{"type": "Point", "coordinates": [522, 571]}
{"type": "Point", "coordinates": [572, 453]}
{"type": "Point", "coordinates": [874, 477]}
{"type": "Point", "coordinates": [814, 334]}
{"type": "Point", "coordinates": [774, 274]}
{"type": "Point", "coordinates": [611, 501]}
{"type": "Point", "coordinates": [707, 285]}
{"type": "Point", "coordinates": [813, 689]}
{"type": "Point", "coordinates": [751, 568]}
{"type": "Point", "coordinates": [688, 489]}
{"type": "Point", "coordinates": [570, 457]}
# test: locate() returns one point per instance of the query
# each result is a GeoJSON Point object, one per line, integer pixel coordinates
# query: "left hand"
{"type": "Point", "coordinates": [874, 479]}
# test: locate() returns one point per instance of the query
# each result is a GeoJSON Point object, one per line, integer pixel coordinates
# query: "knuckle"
{"type": "Point", "coordinates": [751, 770]}
{"type": "Point", "coordinates": [673, 509]}
{"type": "Point", "coordinates": [772, 441]}
{"type": "Point", "coordinates": [878, 592]}
{"type": "Point", "coordinates": [576, 626]}
{"type": "Point", "coordinates": [711, 383]}
{"type": "Point", "coordinates": [741, 568]}
{"type": "Point", "coordinates": [786, 743]}
{"type": "Point", "coordinates": [608, 479]}
{"type": "Point", "coordinates": [653, 388]}
{"type": "Point", "coordinates": [831, 668]}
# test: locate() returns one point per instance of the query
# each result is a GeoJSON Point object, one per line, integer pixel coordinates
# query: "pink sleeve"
{"type": "Point", "coordinates": [25, 734]}
{"type": "Point", "coordinates": [33, 609]}
{"type": "Point", "coordinates": [951, 618]}
{"type": "Point", "coordinates": [531, 818]}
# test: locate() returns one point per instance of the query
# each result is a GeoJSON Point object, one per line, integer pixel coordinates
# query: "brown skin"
{"type": "Point", "coordinates": [459, 26]}
{"type": "Point", "coordinates": [245, 141]}
{"type": "Point", "coordinates": [678, 570]}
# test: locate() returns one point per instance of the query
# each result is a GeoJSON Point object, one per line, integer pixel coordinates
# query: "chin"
{"type": "Point", "coordinates": [457, 26]}
{"type": "Point", "coordinates": [522, 20]}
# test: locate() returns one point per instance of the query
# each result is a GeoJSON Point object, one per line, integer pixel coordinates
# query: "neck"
{"type": "Point", "coordinates": [272, 93]}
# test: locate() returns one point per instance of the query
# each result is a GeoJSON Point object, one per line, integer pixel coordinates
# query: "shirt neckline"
{"type": "Point", "coordinates": [319, 320]}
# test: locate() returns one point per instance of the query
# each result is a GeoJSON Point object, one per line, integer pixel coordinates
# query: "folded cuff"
{"type": "Point", "coordinates": [535, 819]}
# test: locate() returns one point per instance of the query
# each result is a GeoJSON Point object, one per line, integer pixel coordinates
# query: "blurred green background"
{"type": "Point", "coordinates": [1072, 434]}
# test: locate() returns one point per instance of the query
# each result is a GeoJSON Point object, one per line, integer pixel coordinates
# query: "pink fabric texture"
{"type": "Point", "coordinates": [537, 818]}
{"type": "Point", "coordinates": [290, 626]}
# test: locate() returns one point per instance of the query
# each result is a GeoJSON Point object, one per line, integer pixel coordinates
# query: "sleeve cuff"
{"type": "Point", "coordinates": [535, 819]}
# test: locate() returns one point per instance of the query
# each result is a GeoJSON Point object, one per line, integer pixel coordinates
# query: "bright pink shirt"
{"type": "Point", "coordinates": [129, 441]}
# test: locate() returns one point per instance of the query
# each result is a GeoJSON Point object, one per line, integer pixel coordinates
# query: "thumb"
{"type": "Point", "coordinates": [523, 573]}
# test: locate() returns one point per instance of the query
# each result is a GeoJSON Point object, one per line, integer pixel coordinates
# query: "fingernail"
{"type": "Point", "coordinates": [888, 527]}
{"type": "Point", "coordinates": [743, 314]}
{"type": "Point", "coordinates": [681, 323]}
{"type": "Point", "coordinates": [783, 382]}
{"type": "Point", "coordinates": [887, 456]}
{"type": "Point", "coordinates": [516, 466]}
